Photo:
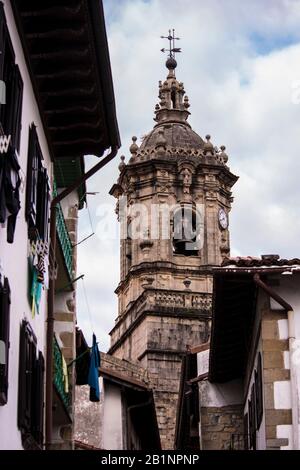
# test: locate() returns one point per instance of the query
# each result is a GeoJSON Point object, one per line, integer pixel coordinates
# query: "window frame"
{"type": "Point", "coordinates": [31, 386]}
{"type": "Point", "coordinates": [37, 190]}
{"type": "Point", "coordinates": [258, 391]}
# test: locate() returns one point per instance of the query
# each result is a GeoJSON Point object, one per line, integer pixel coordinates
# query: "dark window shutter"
{"type": "Point", "coordinates": [43, 204]}
{"type": "Point", "coordinates": [37, 399]}
{"type": "Point", "coordinates": [37, 189]}
{"type": "Point", "coordinates": [32, 178]}
{"type": "Point", "coordinates": [40, 202]}
{"type": "Point", "coordinates": [27, 360]}
{"type": "Point", "coordinates": [8, 72]}
{"type": "Point", "coordinates": [4, 338]}
{"type": "Point", "coordinates": [22, 379]}
{"type": "Point", "coordinates": [16, 109]}
{"type": "Point", "coordinates": [252, 419]}
{"type": "Point", "coordinates": [3, 33]}
{"type": "Point", "coordinates": [3, 36]}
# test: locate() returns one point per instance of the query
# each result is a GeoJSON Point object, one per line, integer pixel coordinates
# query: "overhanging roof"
{"type": "Point", "coordinates": [67, 54]}
{"type": "Point", "coordinates": [232, 321]}
{"type": "Point", "coordinates": [234, 301]}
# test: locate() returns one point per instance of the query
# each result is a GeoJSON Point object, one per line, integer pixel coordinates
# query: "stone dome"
{"type": "Point", "coordinates": [177, 135]}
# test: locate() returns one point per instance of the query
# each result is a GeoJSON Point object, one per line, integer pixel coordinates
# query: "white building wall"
{"type": "Point", "coordinates": [112, 429]}
{"type": "Point", "coordinates": [13, 257]}
{"type": "Point", "coordinates": [217, 395]}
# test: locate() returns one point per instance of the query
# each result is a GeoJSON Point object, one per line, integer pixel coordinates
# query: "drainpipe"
{"type": "Point", "coordinates": [293, 372]}
{"type": "Point", "coordinates": [51, 291]}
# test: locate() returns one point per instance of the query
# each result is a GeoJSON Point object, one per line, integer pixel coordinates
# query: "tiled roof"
{"type": "Point", "coordinates": [260, 262]}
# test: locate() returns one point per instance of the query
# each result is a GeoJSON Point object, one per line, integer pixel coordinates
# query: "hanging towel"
{"type": "Point", "coordinates": [93, 377]}
{"type": "Point", "coordinates": [65, 374]}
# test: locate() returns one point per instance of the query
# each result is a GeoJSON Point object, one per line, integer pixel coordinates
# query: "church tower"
{"type": "Point", "coordinates": [174, 198]}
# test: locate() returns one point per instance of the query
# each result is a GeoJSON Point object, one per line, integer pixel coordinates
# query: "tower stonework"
{"type": "Point", "coordinates": [165, 291]}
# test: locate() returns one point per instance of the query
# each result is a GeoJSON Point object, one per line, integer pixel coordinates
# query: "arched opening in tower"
{"type": "Point", "coordinates": [173, 99]}
{"type": "Point", "coordinates": [186, 231]}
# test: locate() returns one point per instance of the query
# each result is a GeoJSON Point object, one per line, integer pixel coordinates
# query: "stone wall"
{"type": "Point", "coordinates": [125, 367]}
{"type": "Point", "coordinates": [276, 377]}
{"type": "Point", "coordinates": [222, 427]}
{"type": "Point", "coordinates": [87, 427]}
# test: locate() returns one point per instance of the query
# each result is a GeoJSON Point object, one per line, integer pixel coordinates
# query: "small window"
{"type": "Point", "coordinates": [259, 392]}
{"type": "Point", "coordinates": [31, 387]}
{"type": "Point", "coordinates": [37, 190]}
{"type": "Point", "coordinates": [4, 338]}
{"type": "Point", "coordinates": [252, 419]}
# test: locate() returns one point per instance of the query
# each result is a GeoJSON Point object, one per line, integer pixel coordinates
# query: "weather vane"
{"type": "Point", "coordinates": [172, 49]}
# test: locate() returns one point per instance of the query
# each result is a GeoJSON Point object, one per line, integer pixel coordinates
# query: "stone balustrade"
{"type": "Point", "coordinates": [166, 298]}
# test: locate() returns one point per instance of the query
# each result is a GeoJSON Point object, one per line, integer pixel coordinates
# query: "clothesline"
{"type": "Point", "coordinates": [80, 355]}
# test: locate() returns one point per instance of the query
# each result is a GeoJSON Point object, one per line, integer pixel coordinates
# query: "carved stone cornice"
{"type": "Point", "coordinates": [163, 266]}
{"type": "Point", "coordinates": [160, 302]}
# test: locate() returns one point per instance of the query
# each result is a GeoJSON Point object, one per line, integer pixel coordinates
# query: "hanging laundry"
{"type": "Point", "coordinates": [41, 267]}
{"type": "Point", "coordinates": [65, 374]}
{"type": "Point", "coordinates": [93, 377]}
{"type": "Point", "coordinates": [82, 359]}
{"type": "Point", "coordinates": [35, 293]}
{"type": "Point", "coordinates": [9, 191]}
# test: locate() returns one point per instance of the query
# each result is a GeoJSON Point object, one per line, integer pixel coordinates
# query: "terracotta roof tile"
{"type": "Point", "coordinates": [264, 261]}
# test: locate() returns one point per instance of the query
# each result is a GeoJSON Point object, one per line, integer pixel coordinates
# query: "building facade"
{"type": "Point", "coordinates": [246, 380]}
{"type": "Point", "coordinates": [264, 358]}
{"type": "Point", "coordinates": [56, 105]}
{"type": "Point", "coordinates": [174, 197]}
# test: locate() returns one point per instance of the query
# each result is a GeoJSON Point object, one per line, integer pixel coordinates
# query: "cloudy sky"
{"type": "Point", "coordinates": [240, 64]}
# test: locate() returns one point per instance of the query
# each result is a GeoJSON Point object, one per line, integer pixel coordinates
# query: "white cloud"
{"type": "Point", "coordinates": [238, 73]}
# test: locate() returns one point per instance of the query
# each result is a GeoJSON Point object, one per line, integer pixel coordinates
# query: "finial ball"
{"type": "Point", "coordinates": [122, 163]}
{"type": "Point", "coordinates": [171, 63]}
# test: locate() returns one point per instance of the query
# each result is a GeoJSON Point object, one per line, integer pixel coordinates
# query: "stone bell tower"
{"type": "Point", "coordinates": [173, 181]}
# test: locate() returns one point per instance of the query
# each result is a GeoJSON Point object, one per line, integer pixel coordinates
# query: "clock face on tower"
{"type": "Point", "coordinates": [223, 219]}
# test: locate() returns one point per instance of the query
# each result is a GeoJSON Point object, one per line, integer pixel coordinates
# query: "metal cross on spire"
{"type": "Point", "coordinates": [172, 49]}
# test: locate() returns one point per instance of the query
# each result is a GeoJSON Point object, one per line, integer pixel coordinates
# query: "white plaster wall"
{"type": "Point", "coordinates": [13, 257]}
{"type": "Point", "coordinates": [203, 362]}
{"type": "Point", "coordinates": [226, 394]}
{"type": "Point", "coordinates": [112, 429]}
{"type": "Point", "coordinates": [282, 395]}
{"type": "Point", "coordinates": [289, 290]}
{"type": "Point", "coordinates": [229, 393]}
{"type": "Point", "coordinates": [285, 431]}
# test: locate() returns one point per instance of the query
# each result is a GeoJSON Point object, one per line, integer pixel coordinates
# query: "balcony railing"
{"type": "Point", "coordinates": [63, 236]}
{"type": "Point", "coordinates": [64, 239]}
{"type": "Point", "coordinates": [58, 374]}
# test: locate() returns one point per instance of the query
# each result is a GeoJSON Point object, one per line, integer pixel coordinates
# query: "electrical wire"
{"type": "Point", "coordinates": [88, 306]}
